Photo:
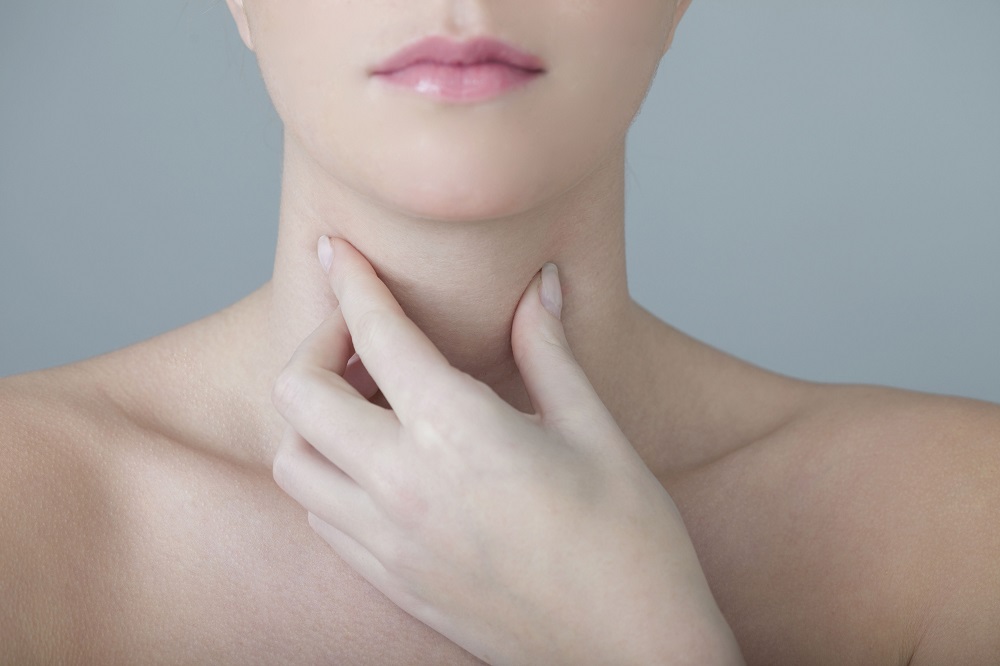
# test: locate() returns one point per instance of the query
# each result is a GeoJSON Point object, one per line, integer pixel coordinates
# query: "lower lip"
{"type": "Point", "coordinates": [460, 83]}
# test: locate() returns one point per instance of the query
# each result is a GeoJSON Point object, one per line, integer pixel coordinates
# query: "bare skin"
{"type": "Point", "coordinates": [139, 518]}
{"type": "Point", "coordinates": [818, 517]}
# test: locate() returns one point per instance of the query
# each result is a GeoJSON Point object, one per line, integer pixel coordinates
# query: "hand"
{"type": "Point", "coordinates": [524, 538]}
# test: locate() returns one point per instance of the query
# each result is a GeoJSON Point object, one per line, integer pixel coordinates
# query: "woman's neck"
{"type": "Point", "coordinates": [459, 281]}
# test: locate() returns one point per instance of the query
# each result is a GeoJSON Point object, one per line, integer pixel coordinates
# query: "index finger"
{"type": "Point", "coordinates": [399, 357]}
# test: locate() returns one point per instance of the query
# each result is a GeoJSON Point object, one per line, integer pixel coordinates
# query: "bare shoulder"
{"type": "Point", "coordinates": [865, 530]}
{"type": "Point", "coordinates": [58, 510]}
{"type": "Point", "coordinates": [916, 478]}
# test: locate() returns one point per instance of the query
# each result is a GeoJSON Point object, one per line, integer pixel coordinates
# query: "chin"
{"type": "Point", "coordinates": [462, 196]}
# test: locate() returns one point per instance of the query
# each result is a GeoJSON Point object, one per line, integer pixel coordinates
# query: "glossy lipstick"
{"type": "Point", "coordinates": [472, 71]}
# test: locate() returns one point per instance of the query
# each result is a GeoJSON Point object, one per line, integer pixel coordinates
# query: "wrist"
{"type": "Point", "coordinates": [685, 627]}
{"type": "Point", "coordinates": [704, 643]}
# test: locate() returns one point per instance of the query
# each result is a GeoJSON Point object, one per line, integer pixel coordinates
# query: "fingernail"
{"type": "Point", "coordinates": [325, 252]}
{"type": "Point", "coordinates": [551, 291]}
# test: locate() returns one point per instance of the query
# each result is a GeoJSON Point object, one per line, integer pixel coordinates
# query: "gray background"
{"type": "Point", "coordinates": [813, 187]}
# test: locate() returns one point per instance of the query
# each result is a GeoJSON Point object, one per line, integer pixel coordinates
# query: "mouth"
{"type": "Point", "coordinates": [443, 51]}
{"type": "Point", "coordinates": [473, 71]}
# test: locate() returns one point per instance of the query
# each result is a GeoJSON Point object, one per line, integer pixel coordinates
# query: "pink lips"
{"type": "Point", "coordinates": [471, 71]}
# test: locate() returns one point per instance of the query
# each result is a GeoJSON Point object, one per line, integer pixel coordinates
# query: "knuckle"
{"type": "Point", "coordinates": [283, 466]}
{"type": "Point", "coordinates": [454, 400]}
{"type": "Point", "coordinates": [296, 386]}
{"type": "Point", "coordinates": [430, 430]}
{"type": "Point", "coordinates": [551, 342]}
{"type": "Point", "coordinates": [443, 440]}
{"type": "Point", "coordinates": [544, 346]}
{"type": "Point", "coordinates": [286, 388]}
{"type": "Point", "coordinates": [368, 328]}
{"type": "Point", "coordinates": [403, 500]}
{"type": "Point", "coordinates": [453, 422]}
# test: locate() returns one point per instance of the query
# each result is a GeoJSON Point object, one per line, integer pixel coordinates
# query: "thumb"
{"type": "Point", "coordinates": [557, 386]}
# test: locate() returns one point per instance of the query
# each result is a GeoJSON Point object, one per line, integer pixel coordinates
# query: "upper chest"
{"type": "Point", "coordinates": [796, 555]}
{"type": "Point", "coordinates": [222, 567]}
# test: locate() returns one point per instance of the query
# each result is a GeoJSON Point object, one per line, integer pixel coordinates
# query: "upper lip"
{"type": "Point", "coordinates": [447, 52]}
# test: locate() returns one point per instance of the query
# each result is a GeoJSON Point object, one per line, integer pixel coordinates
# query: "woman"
{"type": "Point", "coordinates": [820, 523]}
